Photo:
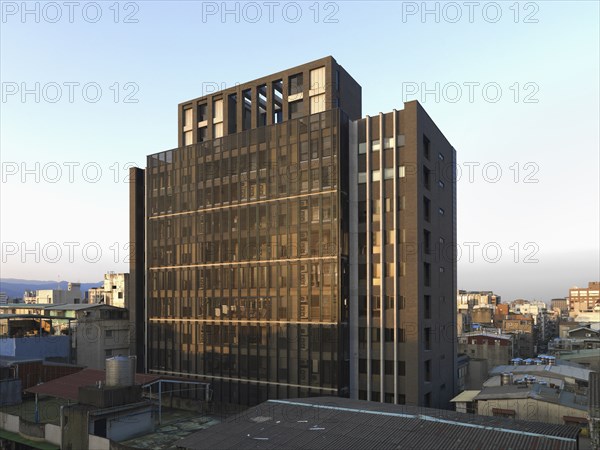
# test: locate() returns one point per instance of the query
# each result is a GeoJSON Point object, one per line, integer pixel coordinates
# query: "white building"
{"type": "Point", "coordinates": [116, 288]}
{"type": "Point", "coordinates": [73, 294]}
{"type": "Point", "coordinates": [114, 292]}
{"type": "Point", "coordinates": [466, 300]}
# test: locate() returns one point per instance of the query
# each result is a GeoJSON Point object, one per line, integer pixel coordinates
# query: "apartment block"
{"type": "Point", "coordinates": [582, 300]}
{"type": "Point", "coordinates": [290, 248]}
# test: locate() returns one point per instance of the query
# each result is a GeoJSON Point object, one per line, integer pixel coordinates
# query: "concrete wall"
{"type": "Point", "coordinates": [93, 339]}
{"type": "Point", "coordinates": [14, 424]}
{"type": "Point", "coordinates": [38, 347]}
{"type": "Point", "coordinates": [9, 422]}
{"type": "Point", "coordinates": [98, 443]}
{"type": "Point", "coordinates": [496, 355]}
{"type": "Point", "coordinates": [53, 434]}
{"type": "Point", "coordinates": [129, 425]}
{"type": "Point", "coordinates": [530, 409]}
{"type": "Point", "coordinates": [10, 392]}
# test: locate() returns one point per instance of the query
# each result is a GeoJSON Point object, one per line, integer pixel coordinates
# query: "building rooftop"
{"type": "Point", "coordinates": [571, 370]}
{"type": "Point", "coordinates": [465, 396]}
{"type": "Point", "coordinates": [340, 423]}
{"type": "Point", "coordinates": [67, 387]}
{"type": "Point", "coordinates": [534, 392]}
{"type": "Point", "coordinates": [79, 306]}
{"type": "Point", "coordinates": [487, 334]}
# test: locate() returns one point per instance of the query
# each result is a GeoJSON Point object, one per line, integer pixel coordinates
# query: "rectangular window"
{"type": "Point", "coordinates": [261, 109]}
{"type": "Point", "coordinates": [426, 242]}
{"type": "Point", "coordinates": [427, 338]}
{"type": "Point", "coordinates": [296, 84]}
{"type": "Point", "coordinates": [317, 81]}
{"type": "Point", "coordinates": [202, 134]}
{"type": "Point", "coordinates": [389, 367]}
{"type": "Point", "coordinates": [388, 143]}
{"type": "Point", "coordinates": [187, 118]}
{"type": "Point", "coordinates": [375, 145]}
{"type": "Point", "coordinates": [426, 177]}
{"type": "Point", "coordinates": [388, 173]}
{"type": "Point", "coordinates": [401, 171]}
{"type": "Point", "coordinates": [426, 146]}
{"type": "Point", "coordinates": [317, 104]}
{"type": "Point", "coordinates": [427, 306]}
{"type": "Point", "coordinates": [375, 175]}
{"type": "Point", "coordinates": [375, 367]}
{"type": "Point", "coordinates": [296, 109]}
{"type": "Point", "coordinates": [427, 274]}
{"type": "Point", "coordinates": [389, 334]}
{"type": "Point", "coordinates": [202, 112]}
{"type": "Point", "coordinates": [402, 368]}
{"type": "Point", "coordinates": [401, 335]}
{"type": "Point", "coordinates": [426, 209]}
{"type": "Point", "coordinates": [362, 177]}
{"type": "Point", "coordinates": [362, 148]}
{"type": "Point", "coordinates": [277, 100]}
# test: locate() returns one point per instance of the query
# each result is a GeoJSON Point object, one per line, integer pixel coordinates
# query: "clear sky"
{"type": "Point", "coordinates": [513, 86]}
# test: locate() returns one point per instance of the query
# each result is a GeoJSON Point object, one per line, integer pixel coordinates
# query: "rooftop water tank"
{"type": "Point", "coordinates": [120, 371]}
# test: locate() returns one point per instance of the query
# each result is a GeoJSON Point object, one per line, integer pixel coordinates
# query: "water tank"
{"type": "Point", "coordinates": [506, 378]}
{"type": "Point", "coordinates": [120, 371]}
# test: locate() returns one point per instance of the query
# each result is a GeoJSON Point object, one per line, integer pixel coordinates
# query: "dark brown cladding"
{"type": "Point", "coordinates": [295, 249]}
{"type": "Point", "coordinates": [405, 257]}
{"type": "Point", "coordinates": [306, 89]}
{"type": "Point", "coordinates": [247, 260]}
{"type": "Point", "coordinates": [136, 300]}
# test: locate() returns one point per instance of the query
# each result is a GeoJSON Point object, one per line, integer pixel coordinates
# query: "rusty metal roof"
{"type": "Point", "coordinates": [340, 423]}
{"type": "Point", "coordinates": [67, 387]}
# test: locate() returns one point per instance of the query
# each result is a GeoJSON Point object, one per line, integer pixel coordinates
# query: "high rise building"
{"type": "Point", "coordinates": [289, 247]}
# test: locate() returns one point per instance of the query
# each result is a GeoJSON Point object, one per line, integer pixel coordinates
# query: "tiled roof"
{"type": "Point", "coordinates": [340, 423]}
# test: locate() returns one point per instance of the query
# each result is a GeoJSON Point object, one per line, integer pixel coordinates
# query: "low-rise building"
{"type": "Point", "coordinates": [466, 300]}
{"type": "Point", "coordinates": [562, 304]}
{"type": "Point", "coordinates": [95, 295]}
{"type": "Point", "coordinates": [534, 402]}
{"type": "Point", "coordinates": [342, 423]}
{"type": "Point", "coordinates": [34, 336]}
{"type": "Point", "coordinates": [97, 331]}
{"type": "Point", "coordinates": [497, 349]}
{"type": "Point", "coordinates": [565, 375]}
{"type": "Point", "coordinates": [114, 291]}
{"type": "Point", "coordinates": [72, 294]}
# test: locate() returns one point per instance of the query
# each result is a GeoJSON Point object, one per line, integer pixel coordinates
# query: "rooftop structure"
{"type": "Point", "coordinates": [329, 422]}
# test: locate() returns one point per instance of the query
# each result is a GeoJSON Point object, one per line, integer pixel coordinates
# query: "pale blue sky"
{"type": "Point", "coordinates": [170, 52]}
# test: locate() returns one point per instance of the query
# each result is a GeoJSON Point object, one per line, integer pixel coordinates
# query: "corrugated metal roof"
{"type": "Point", "coordinates": [340, 423]}
{"type": "Point", "coordinates": [79, 306]}
{"type": "Point", "coordinates": [68, 387]}
{"type": "Point", "coordinates": [560, 370]}
{"type": "Point", "coordinates": [465, 396]}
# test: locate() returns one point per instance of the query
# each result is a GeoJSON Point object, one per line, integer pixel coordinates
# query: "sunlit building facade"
{"type": "Point", "coordinates": [262, 243]}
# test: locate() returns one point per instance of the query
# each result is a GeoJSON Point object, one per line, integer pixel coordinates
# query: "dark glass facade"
{"type": "Point", "coordinates": [247, 260]}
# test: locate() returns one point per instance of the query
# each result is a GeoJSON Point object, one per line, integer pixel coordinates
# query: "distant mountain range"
{"type": "Point", "coordinates": [14, 287]}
